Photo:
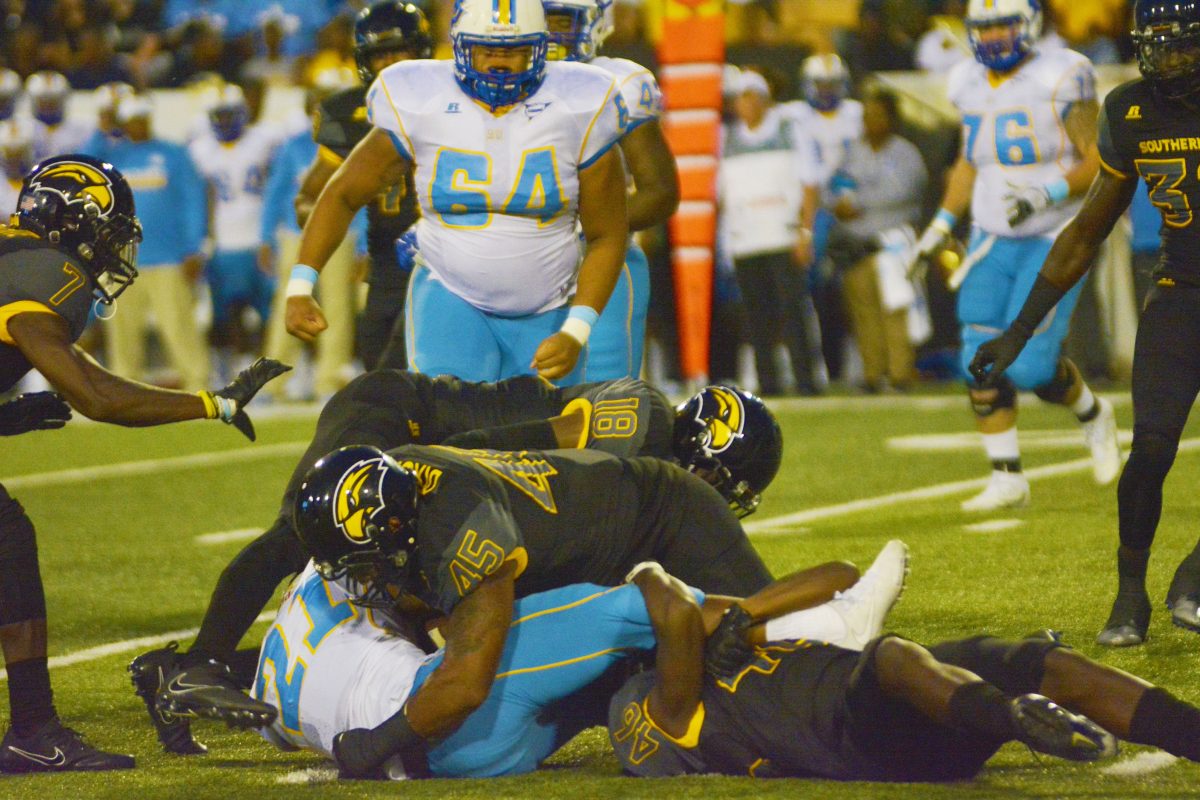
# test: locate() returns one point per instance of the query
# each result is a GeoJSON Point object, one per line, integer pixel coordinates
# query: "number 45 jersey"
{"type": "Point", "coordinates": [1014, 133]}
{"type": "Point", "coordinates": [499, 193]}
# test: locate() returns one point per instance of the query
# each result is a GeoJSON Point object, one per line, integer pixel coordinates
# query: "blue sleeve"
{"type": "Point", "coordinates": [193, 201]}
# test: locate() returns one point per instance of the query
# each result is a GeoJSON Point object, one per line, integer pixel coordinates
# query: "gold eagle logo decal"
{"type": "Point", "coordinates": [726, 424]}
{"type": "Point", "coordinates": [353, 507]}
{"type": "Point", "coordinates": [72, 180]}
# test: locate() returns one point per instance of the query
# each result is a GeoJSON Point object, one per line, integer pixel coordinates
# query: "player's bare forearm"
{"type": "Point", "coordinates": [1081, 126]}
{"type": "Point", "coordinates": [809, 206]}
{"type": "Point", "coordinates": [679, 629]}
{"type": "Point", "coordinates": [475, 634]}
{"type": "Point", "coordinates": [960, 182]}
{"type": "Point", "coordinates": [655, 178]}
{"type": "Point", "coordinates": [318, 174]}
{"type": "Point", "coordinates": [795, 592]}
{"type": "Point", "coordinates": [602, 214]}
{"type": "Point", "coordinates": [1075, 249]}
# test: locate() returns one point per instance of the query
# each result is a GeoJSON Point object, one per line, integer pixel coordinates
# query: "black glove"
{"type": "Point", "coordinates": [242, 390]}
{"type": "Point", "coordinates": [995, 356]}
{"type": "Point", "coordinates": [727, 652]}
{"type": "Point", "coordinates": [38, 411]}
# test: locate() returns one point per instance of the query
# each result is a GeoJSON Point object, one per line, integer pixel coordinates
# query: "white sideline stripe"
{"type": "Point", "coordinates": [1141, 764]}
{"type": "Point", "coordinates": [310, 775]}
{"type": "Point", "coordinates": [152, 466]}
{"type": "Point", "coordinates": [221, 537]}
{"type": "Point", "coordinates": [784, 524]}
{"type": "Point", "coordinates": [993, 525]}
{"type": "Point", "coordinates": [939, 402]}
{"type": "Point", "coordinates": [125, 646]}
{"type": "Point", "coordinates": [1030, 440]}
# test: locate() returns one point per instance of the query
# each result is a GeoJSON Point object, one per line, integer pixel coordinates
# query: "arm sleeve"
{"type": "Point", "coordinates": [642, 97]}
{"type": "Point", "coordinates": [606, 127]}
{"type": "Point", "coordinates": [462, 552]}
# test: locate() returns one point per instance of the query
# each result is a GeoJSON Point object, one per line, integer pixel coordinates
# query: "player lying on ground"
{"type": "Point", "coordinates": [360, 667]}
{"type": "Point", "coordinates": [728, 436]}
{"type": "Point", "coordinates": [894, 712]}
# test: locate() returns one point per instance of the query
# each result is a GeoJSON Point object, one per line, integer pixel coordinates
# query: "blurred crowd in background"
{"type": "Point", "coordinates": [829, 330]}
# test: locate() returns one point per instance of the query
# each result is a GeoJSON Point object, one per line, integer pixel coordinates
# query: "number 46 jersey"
{"type": "Point", "coordinates": [499, 193]}
{"type": "Point", "coordinates": [1014, 133]}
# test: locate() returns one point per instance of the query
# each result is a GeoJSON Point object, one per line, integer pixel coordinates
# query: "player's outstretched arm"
{"type": "Point", "coordinates": [655, 178]}
{"type": "Point", "coordinates": [1072, 255]}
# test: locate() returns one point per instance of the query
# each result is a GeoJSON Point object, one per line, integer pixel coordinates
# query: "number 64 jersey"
{"type": "Point", "coordinates": [1014, 133]}
{"type": "Point", "coordinates": [499, 192]}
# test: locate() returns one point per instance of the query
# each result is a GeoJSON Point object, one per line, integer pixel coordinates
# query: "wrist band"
{"type": "Point", "coordinates": [1058, 190]}
{"type": "Point", "coordinates": [301, 281]}
{"type": "Point", "coordinates": [210, 405]}
{"type": "Point", "coordinates": [580, 320]}
{"type": "Point", "coordinates": [945, 220]}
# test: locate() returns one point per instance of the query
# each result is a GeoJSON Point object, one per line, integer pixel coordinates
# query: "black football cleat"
{"type": "Point", "coordinates": [1051, 729]}
{"type": "Point", "coordinates": [149, 673]}
{"type": "Point", "coordinates": [55, 748]}
{"type": "Point", "coordinates": [1129, 621]}
{"type": "Point", "coordinates": [1185, 612]}
{"type": "Point", "coordinates": [208, 690]}
{"type": "Point", "coordinates": [358, 755]}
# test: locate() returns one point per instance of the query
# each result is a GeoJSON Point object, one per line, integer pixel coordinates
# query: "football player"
{"type": "Point", "coordinates": [360, 668]}
{"type": "Point", "coordinates": [509, 151]}
{"type": "Point", "coordinates": [384, 33]}
{"type": "Point", "coordinates": [728, 437]}
{"type": "Point", "coordinates": [578, 29]}
{"type": "Point", "coordinates": [894, 712]}
{"type": "Point", "coordinates": [1029, 153]}
{"type": "Point", "coordinates": [1144, 133]}
{"type": "Point", "coordinates": [73, 244]}
{"type": "Point", "coordinates": [56, 134]}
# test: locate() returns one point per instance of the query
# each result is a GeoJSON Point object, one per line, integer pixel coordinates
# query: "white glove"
{"type": "Point", "coordinates": [1022, 202]}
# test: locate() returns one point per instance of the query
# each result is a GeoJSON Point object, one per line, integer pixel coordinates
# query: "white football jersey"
{"type": "Point", "coordinates": [237, 172]}
{"type": "Point", "coordinates": [823, 138]}
{"type": "Point", "coordinates": [329, 666]}
{"type": "Point", "coordinates": [643, 98]}
{"type": "Point", "coordinates": [499, 193]}
{"type": "Point", "coordinates": [69, 136]}
{"type": "Point", "coordinates": [1013, 133]}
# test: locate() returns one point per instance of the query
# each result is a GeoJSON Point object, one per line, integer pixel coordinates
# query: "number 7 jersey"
{"type": "Point", "coordinates": [499, 193]}
{"type": "Point", "coordinates": [1014, 133]}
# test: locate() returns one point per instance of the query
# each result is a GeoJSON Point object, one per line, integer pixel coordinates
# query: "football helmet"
{"type": "Point", "coordinates": [499, 25]}
{"type": "Point", "coordinates": [48, 91]}
{"type": "Point", "coordinates": [826, 81]}
{"type": "Point", "coordinates": [731, 439]}
{"type": "Point", "coordinates": [1167, 37]}
{"type": "Point", "coordinates": [10, 90]}
{"type": "Point", "coordinates": [356, 515]}
{"type": "Point", "coordinates": [16, 147]}
{"type": "Point", "coordinates": [1022, 18]}
{"type": "Point", "coordinates": [85, 206]}
{"type": "Point", "coordinates": [230, 114]}
{"type": "Point", "coordinates": [579, 41]}
{"type": "Point", "coordinates": [390, 26]}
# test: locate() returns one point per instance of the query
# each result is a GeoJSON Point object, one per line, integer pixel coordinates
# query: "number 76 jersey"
{"type": "Point", "coordinates": [1014, 133]}
{"type": "Point", "coordinates": [499, 193]}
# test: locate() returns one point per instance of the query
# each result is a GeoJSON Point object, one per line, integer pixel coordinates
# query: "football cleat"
{"type": "Point", "coordinates": [1185, 613]}
{"type": "Point", "coordinates": [1128, 623]}
{"type": "Point", "coordinates": [149, 672]}
{"type": "Point", "coordinates": [865, 605]}
{"type": "Point", "coordinates": [1100, 434]}
{"type": "Point", "coordinates": [1049, 728]}
{"type": "Point", "coordinates": [358, 755]}
{"type": "Point", "coordinates": [208, 690]}
{"type": "Point", "coordinates": [55, 748]}
{"type": "Point", "coordinates": [1003, 490]}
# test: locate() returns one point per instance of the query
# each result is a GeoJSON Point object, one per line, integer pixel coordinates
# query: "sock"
{"type": "Point", "coordinates": [1131, 569]}
{"type": "Point", "coordinates": [1166, 722]}
{"type": "Point", "coordinates": [29, 695]}
{"type": "Point", "coordinates": [981, 708]}
{"type": "Point", "coordinates": [1003, 451]}
{"type": "Point", "coordinates": [822, 624]}
{"type": "Point", "coordinates": [1085, 406]}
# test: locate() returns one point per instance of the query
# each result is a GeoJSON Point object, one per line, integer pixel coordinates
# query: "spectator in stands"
{"type": "Point", "coordinates": [881, 187]}
{"type": "Point", "coordinates": [1092, 28]}
{"type": "Point", "coordinates": [272, 65]}
{"type": "Point", "coordinates": [876, 46]}
{"type": "Point", "coordinates": [55, 133]}
{"type": "Point", "coordinates": [23, 49]}
{"type": "Point", "coordinates": [759, 193]}
{"type": "Point", "coordinates": [10, 92]}
{"type": "Point", "coordinates": [335, 49]}
{"type": "Point", "coordinates": [170, 198]}
{"type": "Point", "coordinates": [944, 44]}
{"type": "Point", "coordinates": [16, 159]}
{"type": "Point", "coordinates": [95, 62]}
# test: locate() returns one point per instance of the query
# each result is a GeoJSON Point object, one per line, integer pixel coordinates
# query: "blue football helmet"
{"type": "Point", "coordinates": [1167, 37]}
{"type": "Point", "coordinates": [230, 114]}
{"type": "Point", "coordinates": [580, 41]}
{"type": "Point", "coordinates": [826, 81]}
{"type": "Point", "coordinates": [495, 25]}
{"type": "Point", "coordinates": [356, 515]}
{"type": "Point", "coordinates": [731, 439]}
{"type": "Point", "coordinates": [1023, 20]}
{"type": "Point", "coordinates": [48, 91]}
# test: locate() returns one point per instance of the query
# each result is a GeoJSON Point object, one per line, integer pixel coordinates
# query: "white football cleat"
{"type": "Point", "coordinates": [1004, 490]}
{"type": "Point", "coordinates": [865, 605]}
{"type": "Point", "coordinates": [1100, 434]}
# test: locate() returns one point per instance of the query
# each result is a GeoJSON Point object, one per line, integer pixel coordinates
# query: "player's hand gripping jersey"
{"type": "Point", "coordinates": [1014, 133]}
{"type": "Point", "coordinates": [499, 192]}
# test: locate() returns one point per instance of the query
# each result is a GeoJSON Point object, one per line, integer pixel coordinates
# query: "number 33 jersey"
{"type": "Point", "coordinates": [499, 193]}
{"type": "Point", "coordinates": [1014, 133]}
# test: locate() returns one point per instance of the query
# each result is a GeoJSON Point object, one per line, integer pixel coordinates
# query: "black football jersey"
{"type": "Point", "coordinates": [563, 516]}
{"type": "Point", "coordinates": [36, 276]}
{"type": "Point", "coordinates": [342, 123]}
{"type": "Point", "coordinates": [1143, 136]}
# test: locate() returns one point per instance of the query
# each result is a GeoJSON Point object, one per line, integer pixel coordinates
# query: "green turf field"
{"type": "Point", "coordinates": [118, 512]}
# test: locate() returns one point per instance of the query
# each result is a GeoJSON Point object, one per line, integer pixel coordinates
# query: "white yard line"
{"type": "Point", "coordinates": [1140, 765]}
{"type": "Point", "coordinates": [221, 537]}
{"type": "Point", "coordinates": [1030, 440]}
{"type": "Point", "coordinates": [993, 525]}
{"type": "Point", "coordinates": [940, 402]}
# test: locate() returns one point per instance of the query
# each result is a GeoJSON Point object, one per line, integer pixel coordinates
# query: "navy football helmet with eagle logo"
{"type": "Point", "coordinates": [355, 515]}
{"type": "Point", "coordinates": [390, 26]}
{"type": "Point", "coordinates": [731, 439]}
{"type": "Point", "coordinates": [1167, 37]}
{"type": "Point", "coordinates": [84, 206]}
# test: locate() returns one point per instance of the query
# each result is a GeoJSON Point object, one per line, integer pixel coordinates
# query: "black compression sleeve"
{"type": "Point", "coordinates": [1043, 297]}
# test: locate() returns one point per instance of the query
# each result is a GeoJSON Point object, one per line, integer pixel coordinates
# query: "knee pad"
{"type": "Point", "coordinates": [985, 402]}
{"type": "Point", "coordinates": [1013, 667]}
{"type": "Point", "coordinates": [1056, 390]}
{"type": "Point", "coordinates": [21, 595]}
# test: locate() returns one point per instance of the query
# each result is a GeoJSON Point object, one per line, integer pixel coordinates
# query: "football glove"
{"type": "Point", "coordinates": [995, 356]}
{"type": "Point", "coordinates": [1022, 202]}
{"type": "Point", "coordinates": [229, 403]}
{"type": "Point", "coordinates": [406, 250]}
{"type": "Point", "coordinates": [38, 411]}
{"type": "Point", "coordinates": [727, 652]}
